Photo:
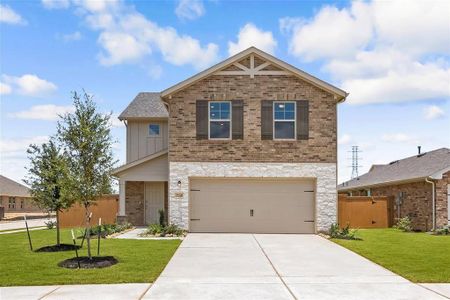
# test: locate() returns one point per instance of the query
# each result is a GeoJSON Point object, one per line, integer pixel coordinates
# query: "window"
{"type": "Point", "coordinates": [153, 130]}
{"type": "Point", "coordinates": [12, 203]}
{"type": "Point", "coordinates": [219, 120]}
{"type": "Point", "coordinates": [284, 114]}
{"type": "Point", "coordinates": [22, 204]}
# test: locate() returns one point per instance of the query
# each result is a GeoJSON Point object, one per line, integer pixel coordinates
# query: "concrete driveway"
{"type": "Point", "coordinates": [260, 266]}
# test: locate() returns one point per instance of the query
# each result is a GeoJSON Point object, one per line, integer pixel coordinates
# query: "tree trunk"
{"type": "Point", "coordinates": [88, 230]}
{"type": "Point", "coordinates": [58, 241]}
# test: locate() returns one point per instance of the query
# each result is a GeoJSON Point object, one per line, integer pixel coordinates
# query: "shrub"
{"type": "Point", "coordinates": [50, 224]}
{"type": "Point", "coordinates": [404, 224]}
{"type": "Point", "coordinates": [443, 231]}
{"type": "Point", "coordinates": [345, 233]}
{"type": "Point", "coordinates": [158, 230]}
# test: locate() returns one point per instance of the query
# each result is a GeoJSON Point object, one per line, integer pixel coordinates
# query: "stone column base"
{"type": "Point", "coordinates": [121, 219]}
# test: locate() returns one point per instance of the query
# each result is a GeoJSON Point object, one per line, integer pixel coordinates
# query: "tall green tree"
{"type": "Point", "coordinates": [45, 177]}
{"type": "Point", "coordinates": [86, 138]}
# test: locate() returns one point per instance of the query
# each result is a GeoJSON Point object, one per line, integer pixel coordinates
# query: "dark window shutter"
{"type": "Point", "coordinates": [266, 120]}
{"type": "Point", "coordinates": [237, 119]}
{"type": "Point", "coordinates": [302, 119]}
{"type": "Point", "coordinates": [202, 119]}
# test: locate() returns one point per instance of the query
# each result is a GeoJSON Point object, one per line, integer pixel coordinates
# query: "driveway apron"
{"type": "Point", "coordinates": [276, 266]}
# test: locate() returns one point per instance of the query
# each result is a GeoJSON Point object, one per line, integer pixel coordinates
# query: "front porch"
{"type": "Point", "coordinates": [143, 189]}
{"type": "Point", "coordinates": [142, 202]}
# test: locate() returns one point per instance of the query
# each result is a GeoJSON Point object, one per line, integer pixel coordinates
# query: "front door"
{"type": "Point", "coordinates": [154, 201]}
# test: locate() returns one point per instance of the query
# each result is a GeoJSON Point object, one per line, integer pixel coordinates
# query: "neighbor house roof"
{"type": "Point", "coordinates": [340, 94]}
{"type": "Point", "coordinates": [145, 105]}
{"type": "Point", "coordinates": [430, 164]}
{"type": "Point", "coordinates": [9, 187]}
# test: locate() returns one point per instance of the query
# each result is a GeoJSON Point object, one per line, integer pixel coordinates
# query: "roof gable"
{"type": "Point", "coordinates": [254, 62]}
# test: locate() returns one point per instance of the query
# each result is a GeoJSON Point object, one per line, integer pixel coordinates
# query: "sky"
{"type": "Point", "coordinates": [393, 57]}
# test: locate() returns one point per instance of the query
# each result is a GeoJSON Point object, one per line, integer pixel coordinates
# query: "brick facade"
{"type": "Point", "coordinates": [321, 146]}
{"type": "Point", "coordinates": [442, 200]}
{"type": "Point", "coordinates": [22, 204]}
{"type": "Point", "coordinates": [417, 201]}
{"type": "Point", "coordinates": [134, 202]}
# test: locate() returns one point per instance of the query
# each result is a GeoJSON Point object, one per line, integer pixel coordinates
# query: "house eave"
{"type": "Point", "coordinates": [340, 95]}
{"type": "Point", "coordinates": [117, 171]}
{"type": "Point", "coordinates": [381, 184]}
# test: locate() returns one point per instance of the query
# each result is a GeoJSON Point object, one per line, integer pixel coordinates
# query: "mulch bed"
{"type": "Point", "coordinates": [58, 248]}
{"type": "Point", "coordinates": [86, 263]}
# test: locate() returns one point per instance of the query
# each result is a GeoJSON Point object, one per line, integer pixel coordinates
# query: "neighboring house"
{"type": "Point", "coordinates": [248, 145]}
{"type": "Point", "coordinates": [419, 184]}
{"type": "Point", "coordinates": [15, 197]}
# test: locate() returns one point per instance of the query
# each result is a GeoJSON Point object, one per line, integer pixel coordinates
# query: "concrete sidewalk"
{"type": "Point", "coordinates": [129, 291]}
{"type": "Point", "coordinates": [12, 225]}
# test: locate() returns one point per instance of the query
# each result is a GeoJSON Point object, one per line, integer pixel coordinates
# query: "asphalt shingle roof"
{"type": "Point", "coordinates": [9, 187]}
{"type": "Point", "coordinates": [414, 167]}
{"type": "Point", "coordinates": [145, 105]}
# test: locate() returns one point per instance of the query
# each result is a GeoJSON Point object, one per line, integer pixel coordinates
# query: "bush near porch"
{"type": "Point", "coordinates": [419, 257]}
{"type": "Point", "coordinates": [139, 260]}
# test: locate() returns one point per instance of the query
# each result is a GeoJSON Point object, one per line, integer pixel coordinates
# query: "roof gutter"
{"type": "Point", "coordinates": [433, 184]}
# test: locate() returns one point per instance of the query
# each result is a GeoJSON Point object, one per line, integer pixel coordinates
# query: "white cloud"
{"type": "Point", "coordinates": [189, 9]}
{"type": "Point", "coordinates": [16, 146]}
{"type": "Point", "coordinates": [433, 112]}
{"type": "Point", "coordinates": [9, 16]}
{"type": "Point", "coordinates": [5, 89]}
{"type": "Point", "coordinates": [56, 4]}
{"type": "Point", "coordinates": [399, 138]}
{"type": "Point", "coordinates": [75, 36]}
{"type": "Point", "coordinates": [29, 85]}
{"type": "Point", "coordinates": [115, 122]}
{"type": "Point", "coordinates": [344, 139]}
{"type": "Point", "coordinates": [46, 112]}
{"type": "Point", "coordinates": [379, 51]}
{"type": "Point", "coordinates": [127, 36]}
{"type": "Point", "coordinates": [250, 35]}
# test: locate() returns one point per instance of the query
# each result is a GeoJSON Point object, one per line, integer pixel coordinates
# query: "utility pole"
{"type": "Point", "coordinates": [355, 161]}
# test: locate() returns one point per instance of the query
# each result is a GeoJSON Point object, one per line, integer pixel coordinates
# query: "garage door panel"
{"type": "Point", "coordinates": [223, 205]}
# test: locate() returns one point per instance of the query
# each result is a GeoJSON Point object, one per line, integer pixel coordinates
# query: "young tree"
{"type": "Point", "coordinates": [87, 141]}
{"type": "Point", "coordinates": [45, 178]}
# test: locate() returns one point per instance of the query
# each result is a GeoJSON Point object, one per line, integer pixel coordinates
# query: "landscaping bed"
{"type": "Point", "coordinates": [419, 257]}
{"type": "Point", "coordinates": [139, 261]}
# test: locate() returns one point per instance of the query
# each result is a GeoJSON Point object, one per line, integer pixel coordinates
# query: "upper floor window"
{"type": "Point", "coordinates": [12, 203]}
{"type": "Point", "coordinates": [219, 119]}
{"type": "Point", "coordinates": [153, 130]}
{"type": "Point", "coordinates": [284, 120]}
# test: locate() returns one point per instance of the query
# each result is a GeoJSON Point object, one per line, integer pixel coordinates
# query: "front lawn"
{"type": "Point", "coordinates": [139, 260]}
{"type": "Point", "coordinates": [419, 257]}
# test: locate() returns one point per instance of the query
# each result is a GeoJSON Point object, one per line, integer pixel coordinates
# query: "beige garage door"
{"type": "Point", "coordinates": [251, 205]}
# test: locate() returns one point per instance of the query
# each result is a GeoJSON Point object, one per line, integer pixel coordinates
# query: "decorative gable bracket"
{"type": "Point", "coordinates": [251, 66]}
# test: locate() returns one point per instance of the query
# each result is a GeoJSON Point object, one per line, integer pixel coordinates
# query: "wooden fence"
{"type": "Point", "coordinates": [365, 211]}
{"type": "Point", "coordinates": [106, 208]}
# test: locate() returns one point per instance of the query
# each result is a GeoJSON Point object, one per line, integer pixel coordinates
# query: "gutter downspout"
{"type": "Point", "coordinates": [433, 202]}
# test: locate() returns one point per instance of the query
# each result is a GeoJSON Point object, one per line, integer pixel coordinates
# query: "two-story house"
{"type": "Point", "coordinates": [248, 145]}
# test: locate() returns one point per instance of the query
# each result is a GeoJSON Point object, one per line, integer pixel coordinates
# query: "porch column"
{"type": "Point", "coordinates": [121, 197]}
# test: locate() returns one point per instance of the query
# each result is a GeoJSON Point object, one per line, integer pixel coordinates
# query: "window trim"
{"type": "Point", "coordinates": [219, 120]}
{"type": "Point", "coordinates": [159, 130]}
{"type": "Point", "coordinates": [293, 120]}
{"type": "Point", "coordinates": [12, 203]}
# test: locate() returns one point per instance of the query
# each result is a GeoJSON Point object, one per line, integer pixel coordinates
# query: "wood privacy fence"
{"type": "Point", "coordinates": [106, 208]}
{"type": "Point", "coordinates": [365, 211]}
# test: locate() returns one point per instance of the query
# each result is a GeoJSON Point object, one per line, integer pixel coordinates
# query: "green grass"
{"type": "Point", "coordinates": [139, 260]}
{"type": "Point", "coordinates": [419, 257]}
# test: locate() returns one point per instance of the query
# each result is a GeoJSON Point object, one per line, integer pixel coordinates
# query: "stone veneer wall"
{"type": "Point", "coordinates": [134, 202]}
{"type": "Point", "coordinates": [324, 173]}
